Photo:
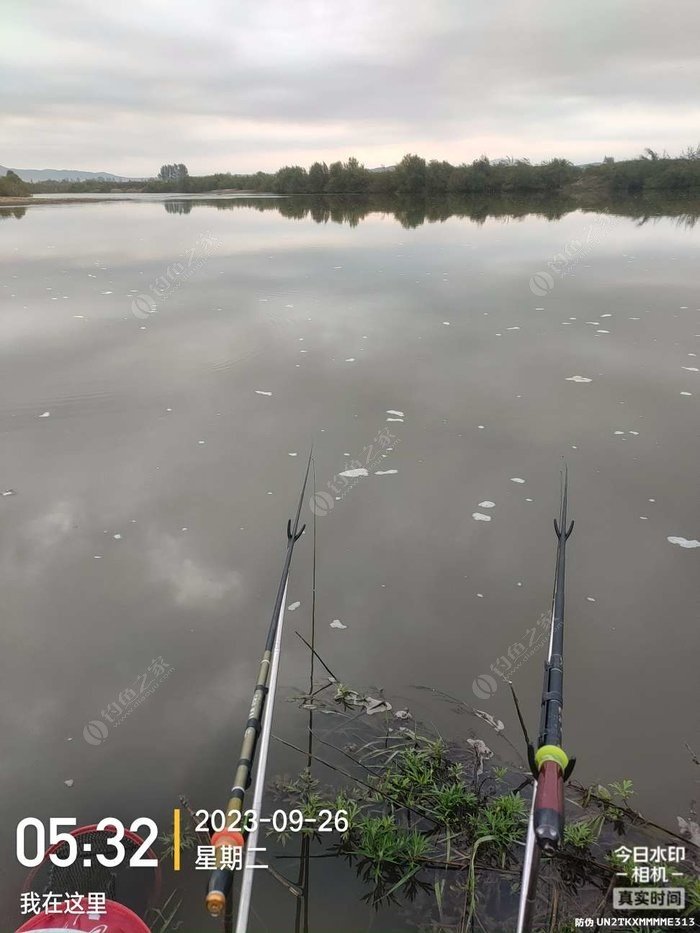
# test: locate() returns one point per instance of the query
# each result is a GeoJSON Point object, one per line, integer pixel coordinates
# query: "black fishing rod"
{"type": "Point", "coordinates": [259, 722]}
{"type": "Point", "coordinates": [550, 765]}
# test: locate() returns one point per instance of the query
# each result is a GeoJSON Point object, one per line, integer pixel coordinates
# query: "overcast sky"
{"type": "Point", "coordinates": [241, 85]}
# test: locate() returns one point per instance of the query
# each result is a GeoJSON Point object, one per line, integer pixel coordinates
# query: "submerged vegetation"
{"type": "Point", "coordinates": [437, 831]}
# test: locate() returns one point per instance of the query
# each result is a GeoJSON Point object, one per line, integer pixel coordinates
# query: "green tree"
{"type": "Point", "coordinates": [176, 173]}
{"type": "Point", "coordinates": [336, 179]}
{"type": "Point", "coordinates": [12, 186]}
{"type": "Point", "coordinates": [357, 177]}
{"type": "Point", "coordinates": [318, 177]}
{"type": "Point", "coordinates": [292, 179]}
{"type": "Point", "coordinates": [437, 177]}
{"type": "Point", "coordinates": [410, 175]}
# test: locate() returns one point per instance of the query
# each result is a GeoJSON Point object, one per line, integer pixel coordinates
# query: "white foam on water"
{"type": "Point", "coordinates": [480, 517]}
{"type": "Point", "coordinates": [487, 504]}
{"type": "Point", "coordinates": [682, 542]}
{"type": "Point", "coordinates": [336, 623]}
{"type": "Point", "coordinates": [351, 474]}
{"type": "Point", "coordinates": [262, 392]}
{"type": "Point", "coordinates": [8, 492]}
{"type": "Point", "coordinates": [578, 379]}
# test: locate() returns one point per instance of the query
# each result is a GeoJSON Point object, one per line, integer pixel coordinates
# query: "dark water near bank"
{"type": "Point", "coordinates": [163, 371]}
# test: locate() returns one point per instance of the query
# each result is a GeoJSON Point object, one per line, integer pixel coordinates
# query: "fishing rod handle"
{"type": "Point", "coordinates": [218, 891]}
{"type": "Point", "coordinates": [548, 814]}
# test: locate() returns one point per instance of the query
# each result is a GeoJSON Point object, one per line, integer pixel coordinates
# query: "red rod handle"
{"type": "Point", "coordinates": [548, 816]}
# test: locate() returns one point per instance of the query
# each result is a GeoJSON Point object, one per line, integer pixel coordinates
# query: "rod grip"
{"type": "Point", "coordinates": [221, 879]}
{"type": "Point", "coordinates": [548, 814]}
{"type": "Point", "coordinates": [218, 890]}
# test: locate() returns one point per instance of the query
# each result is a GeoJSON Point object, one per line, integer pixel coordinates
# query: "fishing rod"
{"type": "Point", "coordinates": [258, 727]}
{"type": "Point", "coordinates": [549, 763]}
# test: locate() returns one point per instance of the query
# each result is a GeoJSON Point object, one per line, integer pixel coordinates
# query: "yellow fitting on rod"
{"type": "Point", "coordinates": [551, 753]}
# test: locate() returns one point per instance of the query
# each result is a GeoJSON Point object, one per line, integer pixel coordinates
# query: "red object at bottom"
{"type": "Point", "coordinates": [116, 919]}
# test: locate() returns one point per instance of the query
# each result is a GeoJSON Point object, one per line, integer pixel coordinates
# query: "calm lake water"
{"type": "Point", "coordinates": [163, 371]}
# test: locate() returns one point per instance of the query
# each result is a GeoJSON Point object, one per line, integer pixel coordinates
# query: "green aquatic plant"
{"type": "Point", "coordinates": [500, 823]}
{"type": "Point", "coordinates": [389, 857]}
{"type": "Point", "coordinates": [624, 789]}
{"type": "Point", "coordinates": [583, 833]}
{"type": "Point", "coordinates": [418, 821]}
{"type": "Point", "coordinates": [188, 840]}
{"type": "Point", "coordinates": [452, 802]}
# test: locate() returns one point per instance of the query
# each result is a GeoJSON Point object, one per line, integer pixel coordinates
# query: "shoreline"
{"type": "Point", "coordinates": [99, 197]}
{"type": "Point", "coordinates": [29, 202]}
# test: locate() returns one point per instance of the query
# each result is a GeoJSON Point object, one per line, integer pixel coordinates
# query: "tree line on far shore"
{"type": "Point", "coordinates": [12, 186]}
{"type": "Point", "coordinates": [414, 176]}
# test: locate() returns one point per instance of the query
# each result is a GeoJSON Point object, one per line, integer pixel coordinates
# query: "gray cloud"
{"type": "Point", "coordinates": [239, 86]}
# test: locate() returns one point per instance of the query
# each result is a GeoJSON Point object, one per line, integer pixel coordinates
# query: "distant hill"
{"type": "Point", "coordinates": [53, 174]}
